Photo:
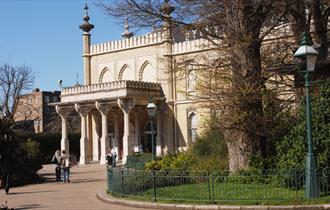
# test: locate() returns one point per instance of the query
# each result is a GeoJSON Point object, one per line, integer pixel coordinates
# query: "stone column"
{"type": "Point", "coordinates": [115, 143]}
{"type": "Point", "coordinates": [104, 110]}
{"type": "Point", "coordinates": [158, 137]}
{"type": "Point", "coordinates": [136, 143]}
{"type": "Point", "coordinates": [83, 111]}
{"type": "Point", "coordinates": [96, 135]}
{"type": "Point", "coordinates": [64, 141]}
{"type": "Point", "coordinates": [126, 105]}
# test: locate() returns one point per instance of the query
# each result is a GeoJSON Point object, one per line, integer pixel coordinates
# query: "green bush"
{"type": "Point", "coordinates": [208, 153]}
{"type": "Point", "coordinates": [291, 151]}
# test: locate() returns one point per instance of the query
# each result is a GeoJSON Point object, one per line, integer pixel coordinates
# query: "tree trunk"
{"type": "Point", "coordinates": [244, 114]}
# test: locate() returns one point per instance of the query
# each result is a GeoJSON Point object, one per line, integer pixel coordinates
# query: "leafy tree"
{"type": "Point", "coordinates": [242, 75]}
{"type": "Point", "coordinates": [291, 151]}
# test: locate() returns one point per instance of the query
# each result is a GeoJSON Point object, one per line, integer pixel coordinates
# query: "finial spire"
{"type": "Point", "coordinates": [86, 26]}
{"type": "Point", "coordinates": [126, 33]}
{"type": "Point", "coordinates": [167, 9]}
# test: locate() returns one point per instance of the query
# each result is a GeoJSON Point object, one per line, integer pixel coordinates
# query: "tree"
{"type": "Point", "coordinates": [18, 157]}
{"type": "Point", "coordinates": [14, 80]}
{"type": "Point", "coordinates": [244, 68]}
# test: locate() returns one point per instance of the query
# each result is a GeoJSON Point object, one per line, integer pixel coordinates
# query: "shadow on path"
{"type": "Point", "coordinates": [32, 206]}
{"type": "Point", "coordinates": [16, 193]}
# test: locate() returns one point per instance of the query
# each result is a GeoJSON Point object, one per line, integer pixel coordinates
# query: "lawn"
{"type": "Point", "coordinates": [229, 193]}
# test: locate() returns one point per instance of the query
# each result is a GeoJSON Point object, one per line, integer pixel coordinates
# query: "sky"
{"type": "Point", "coordinates": [45, 35]}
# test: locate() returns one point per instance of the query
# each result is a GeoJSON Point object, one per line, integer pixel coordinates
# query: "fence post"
{"type": "Point", "coordinates": [122, 182]}
{"type": "Point", "coordinates": [212, 182]}
{"type": "Point", "coordinates": [154, 185]}
{"type": "Point", "coordinates": [209, 186]}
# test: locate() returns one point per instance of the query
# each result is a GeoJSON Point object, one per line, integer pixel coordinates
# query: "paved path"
{"type": "Point", "coordinates": [86, 181]}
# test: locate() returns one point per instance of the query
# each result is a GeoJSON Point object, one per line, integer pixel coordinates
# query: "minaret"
{"type": "Point", "coordinates": [126, 33]}
{"type": "Point", "coordinates": [86, 27]}
{"type": "Point", "coordinates": [166, 11]}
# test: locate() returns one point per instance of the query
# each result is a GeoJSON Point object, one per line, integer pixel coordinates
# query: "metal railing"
{"type": "Point", "coordinates": [214, 187]}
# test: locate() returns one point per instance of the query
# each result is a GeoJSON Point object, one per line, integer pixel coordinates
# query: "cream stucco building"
{"type": "Point", "coordinates": [119, 79]}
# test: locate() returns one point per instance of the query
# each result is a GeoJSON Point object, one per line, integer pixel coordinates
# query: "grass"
{"type": "Point", "coordinates": [229, 193]}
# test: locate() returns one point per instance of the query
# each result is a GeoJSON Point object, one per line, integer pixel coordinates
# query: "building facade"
{"type": "Point", "coordinates": [120, 79]}
{"type": "Point", "coordinates": [34, 110]}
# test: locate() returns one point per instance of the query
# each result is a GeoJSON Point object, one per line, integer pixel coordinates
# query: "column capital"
{"type": "Point", "coordinates": [104, 108]}
{"type": "Point", "coordinates": [82, 110]}
{"type": "Point", "coordinates": [63, 112]}
{"type": "Point", "coordinates": [126, 104]}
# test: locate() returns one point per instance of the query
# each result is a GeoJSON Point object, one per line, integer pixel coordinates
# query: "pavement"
{"type": "Point", "coordinates": [87, 190]}
{"type": "Point", "coordinates": [86, 182]}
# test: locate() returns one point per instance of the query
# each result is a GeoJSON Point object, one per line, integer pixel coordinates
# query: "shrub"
{"type": "Point", "coordinates": [208, 153]}
{"type": "Point", "coordinates": [291, 151]}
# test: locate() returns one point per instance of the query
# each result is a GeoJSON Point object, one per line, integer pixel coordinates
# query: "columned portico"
{"type": "Point", "coordinates": [83, 111]}
{"type": "Point", "coordinates": [64, 116]}
{"type": "Point", "coordinates": [104, 109]}
{"type": "Point", "coordinates": [126, 105]}
{"type": "Point", "coordinates": [102, 102]}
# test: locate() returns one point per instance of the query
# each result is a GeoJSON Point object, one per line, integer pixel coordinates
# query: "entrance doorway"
{"type": "Point", "coordinates": [146, 141]}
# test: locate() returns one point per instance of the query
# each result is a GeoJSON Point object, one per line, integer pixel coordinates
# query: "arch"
{"type": "Point", "coordinates": [147, 138]}
{"type": "Point", "coordinates": [147, 72]}
{"type": "Point", "coordinates": [105, 75]}
{"type": "Point", "coordinates": [192, 126]}
{"type": "Point", "coordinates": [125, 73]}
{"type": "Point", "coordinates": [121, 71]}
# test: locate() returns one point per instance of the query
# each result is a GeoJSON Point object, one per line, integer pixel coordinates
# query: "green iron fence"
{"type": "Point", "coordinates": [214, 187]}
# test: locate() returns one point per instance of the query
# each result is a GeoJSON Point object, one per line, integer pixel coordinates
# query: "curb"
{"type": "Point", "coordinates": [101, 195]}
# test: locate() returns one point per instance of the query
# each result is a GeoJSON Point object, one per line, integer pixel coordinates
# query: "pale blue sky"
{"type": "Point", "coordinates": [45, 35]}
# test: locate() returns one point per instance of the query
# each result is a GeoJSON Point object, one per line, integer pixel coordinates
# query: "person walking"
{"type": "Point", "coordinates": [113, 156]}
{"type": "Point", "coordinates": [56, 160]}
{"type": "Point", "coordinates": [65, 167]}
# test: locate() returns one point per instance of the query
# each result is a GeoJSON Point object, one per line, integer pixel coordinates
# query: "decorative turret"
{"type": "Point", "coordinates": [86, 26]}
{"type": "Point", "coordinates": [126, 33]}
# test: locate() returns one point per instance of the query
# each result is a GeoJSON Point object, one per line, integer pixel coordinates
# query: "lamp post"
{"type": "Point", "coordinates": [151, 108]}
{"type": "Point", "coordinates": [309, 54]}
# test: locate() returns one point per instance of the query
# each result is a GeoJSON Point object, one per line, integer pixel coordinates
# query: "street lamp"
{"type": "Point", "coordinates": [151, 108]}
{"type": "Point", "coordinates": [309, 54]}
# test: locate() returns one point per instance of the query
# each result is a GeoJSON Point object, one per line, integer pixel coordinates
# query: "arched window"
{"type": "Point", "coordinates": [191, 78]}
{"type": "Point", "coordinates": [192, 126]}
{"type": "Point", "coordinates": [125, 73]}
{"type": "Point", "coordinates": [147, 73]}
{"type": "Point", "coordinates": [105, 76]}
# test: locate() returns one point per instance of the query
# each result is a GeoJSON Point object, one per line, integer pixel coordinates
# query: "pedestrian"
{"type": "Point", "coordinates": [113, 156]}
{"type": "Point", "coordinates": [56, 160]}
{"type": "Point", "coordinates": [65, 167]}
{"type": "Point", "coordinates": [109, 158]}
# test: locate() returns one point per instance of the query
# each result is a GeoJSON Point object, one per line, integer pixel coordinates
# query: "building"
{"type": "Point", "coordinates": [33, 109]}
{"type": "Point", "coordinates": [120, 78]}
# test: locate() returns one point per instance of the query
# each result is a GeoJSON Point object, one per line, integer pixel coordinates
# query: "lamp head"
{"type": "Point", "coordinates": [151, 108]}
{"type": "Point", "coordinates": [306, 51]}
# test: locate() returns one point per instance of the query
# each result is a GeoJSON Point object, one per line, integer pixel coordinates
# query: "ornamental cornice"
{"type": "Point", "coordinates": [108, 86]}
